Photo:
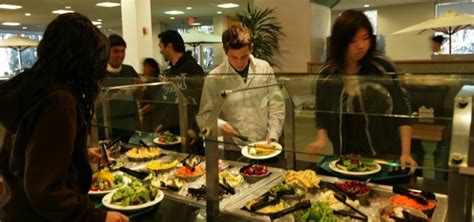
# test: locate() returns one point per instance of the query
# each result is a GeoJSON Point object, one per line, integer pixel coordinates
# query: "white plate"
{"type": "Point", "coordinates": [157, 141]}
{"type": "Point", "coordinates": [245, 151]}
{"type": "Point", "coordinates": [126, 181]}
{"type": "Point", "coordinates": [108, 198]}
{"type": "Point", "coordinates": [333, 167]}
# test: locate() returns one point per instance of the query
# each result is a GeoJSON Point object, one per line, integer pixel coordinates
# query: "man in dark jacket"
{"type": "Point", "coordinates": [181, 63]}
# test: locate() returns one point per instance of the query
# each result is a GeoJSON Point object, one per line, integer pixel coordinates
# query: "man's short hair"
{"type": "Point", "coordinates": [173, 37]}
{"type": "Point", "coordinates": [116, 40]}
{"type": "Point", "coordinates": [236, 37]}
{"type": "Point", "coordinates": [438, 38]}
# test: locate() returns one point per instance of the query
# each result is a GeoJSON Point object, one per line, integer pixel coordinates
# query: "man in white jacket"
{"type": "Point", "coordinates": [259, 113]}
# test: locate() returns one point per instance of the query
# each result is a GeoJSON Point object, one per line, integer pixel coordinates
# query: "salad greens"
{"type": "Point", "coordinates": [167, 137]}
{"type": "Point", "coordinates": [134, 194]}
{"type": "Point", "coordinates": [355, 163]}
{"type": "Point", "coordinates": [319, 211]}
{"type": "Point", "coordinates": [287, 190]}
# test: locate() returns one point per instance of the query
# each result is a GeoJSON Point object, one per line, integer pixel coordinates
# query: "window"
{"type": "Point", "coordinates": [462, 42]}
{"type": "Point", "coordinates": [372, 16]}
{"type": "Point", "coordinates": [9, 62]}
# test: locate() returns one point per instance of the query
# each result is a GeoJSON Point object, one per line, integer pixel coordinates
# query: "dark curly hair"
{"type": "Point", "coordinates": [73, 53]}
{"type": "Point", "coordinates": [236, 37]}
{"type": "Point", "coordinates": [343, 31]}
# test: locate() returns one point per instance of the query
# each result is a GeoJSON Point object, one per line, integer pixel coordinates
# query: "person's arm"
{"type": "Point", "coordinates": [320, 141]}
{"type": "Point", "coordinates": [48, 158]}
{"type": "Point", "coordinates": [405, 157]}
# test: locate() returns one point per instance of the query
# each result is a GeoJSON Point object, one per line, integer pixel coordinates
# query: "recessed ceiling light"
{"type": "Point", "coordinates": [99, 26]}
{"type": "Point", "coordinates": [366, 5]}
{"type": "Point", "coordinates": [99, 20]}
{"type": "Point", "coordinates": [24, 27]}
{"type": "Point", "coordinates": [228, 5]}
{"type": "Point", "coordinates": [189, 8]}
{"type": "Point", "coordinates": [27, 14]}
{"type": "Point", "coordinates": [171, 17]}
{"type": "Point", "coordinates": [196, 23]}
{"type": "Point", "coordinates": [96, 23]}
{"type": "Point", "coordinates": [11, 23]}
{"type": "Point", "coordinates": [62, 11]}
{"type": "Point", "coordinates": [12, 7]}
{"type": "Point", "coordinates": [174, 12]}
{"type": "Point", "coordinates": [67, 7]}
{"type": "Point", "coordinates": [108, 4]}
{"type": "Point", "coordinates": [219, 12]}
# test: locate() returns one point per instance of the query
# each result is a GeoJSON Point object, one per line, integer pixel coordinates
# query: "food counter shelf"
{"type": "Point", "coordinates": [378, 194]}
{"type": "Point", "coordinates": [242, 191]}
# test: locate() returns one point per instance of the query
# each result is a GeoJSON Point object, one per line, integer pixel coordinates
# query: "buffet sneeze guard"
{"type": "Point", "coordinates": [461, 158]}
{"type": "Point", "coordinates": [210, 131]}
{"type": "Point", "coordinates": [128, 94]}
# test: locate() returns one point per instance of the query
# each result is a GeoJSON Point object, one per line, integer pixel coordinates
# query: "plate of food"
{"type": "Point", "coordinates": [167, 138]}
{"type": "Point", "coordinates": [355, 166]}
{"type": "Point", "coordinates": [133, 197]}
{"type": "Point", "coordinates": [104, 182]}
{"type": "Point", "coordinates": [261, 150]}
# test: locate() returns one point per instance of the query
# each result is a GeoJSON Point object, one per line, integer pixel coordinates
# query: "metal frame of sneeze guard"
{"type": "Point", "coordinates": [182, 104]}
{"type": "Point", "coordinates": [209, 132]}
{"type": "Point", "coordinates": [461, 157]}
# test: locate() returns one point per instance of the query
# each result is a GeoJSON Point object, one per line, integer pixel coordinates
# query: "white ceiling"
{"type": "Point", "coordinates": [111, 17]}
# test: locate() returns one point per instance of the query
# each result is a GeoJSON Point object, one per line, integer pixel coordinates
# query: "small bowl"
{"type": "Point", "coordinates": [253, 178]}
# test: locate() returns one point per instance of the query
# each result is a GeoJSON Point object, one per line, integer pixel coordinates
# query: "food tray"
{"type": "Point", "coordinates": [384, 176]}
{"type": "Point", "coordinates": [378, 191]}
{"type": "Point", "coordinates": [276, 174]}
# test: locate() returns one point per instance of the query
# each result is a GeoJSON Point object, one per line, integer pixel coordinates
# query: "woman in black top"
{"type": "Point", "coordinates": [352, 53]}
{"type": "Point", "coordinates": [47, 113]}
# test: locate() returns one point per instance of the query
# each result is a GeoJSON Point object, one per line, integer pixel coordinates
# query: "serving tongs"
{"type": "Point", "coordinates": [185, 163]}
{"type": "Point", "coordinates": [225, 186]}
{"type": "Point", "coordinates": [342, 197]}
{"type": "Point", "coordinates": [419, 197]}
{"type": "Point", "coordinates": [336, 189]}
{"type": "Point", "coordinates": [264, 202]}
{"type": "Point", "coordinates": [299, 206]}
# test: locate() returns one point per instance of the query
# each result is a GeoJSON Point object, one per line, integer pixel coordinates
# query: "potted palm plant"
{"type": "Point", "coordinates": [266, 31]}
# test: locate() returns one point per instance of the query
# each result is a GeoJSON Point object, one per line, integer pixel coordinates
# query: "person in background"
{"type": "Point", "coordinates": [436, 43]}
{"type": "Point", "coordinates": [151, 68]}
{"type": "Point", "coordinates": [352, 53]}
{"type": "Point", "coordinates": [47, 112]}
{"type": "Point", "coordinates": [188, 74]}
{"type": "Point", "coordinates": [115, 66]}
{"type": "Point", "coordinates": [260, 114]}
{"type": "Point", "coordinates": [149, 115]}
{"type": "Point", "coordinates": [173, 49]}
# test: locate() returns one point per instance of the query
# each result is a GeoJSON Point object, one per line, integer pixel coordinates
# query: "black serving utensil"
{"type": "Point", "coordinates": [169, 187]}
{"type": "Point", "coordinates": [113, 142]}
{"type": "Point", "coordinates": [299, 206]}
{"type": "Point", "coordinates": [336, 189]}
{"type": "Point", "coordinates": [264, 203]}
{"type": "Point", "coordinates": [349, 214]}
{"type": "Point", "coordinates": [342, 198]}
{"type": "Point", "coordinates": [105, 160]}
{"type": "Point", "coordinates": [225, 186]}
{"type": "Point", "coordinates": [405, 192]}
{"type": "Point", "coordinates": [143, 143]}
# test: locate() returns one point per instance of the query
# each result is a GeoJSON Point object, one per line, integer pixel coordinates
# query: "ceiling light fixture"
{"type": "Point", "coordinates": [366, 5]}
{"type": "Point", "coordinates": [27, 14]}
{"type": "Point", "coordinates": [11, 23]}
{"type": "Point", "coordinates": [189, 8]}
{"type": "Point", "coordinates": [96, 23]}
{"type": "Point", "coordinates": [67, 7]}
{"type": "Point", "coordinates": [99, 26]}
{"type": "Point", "coordinates": [11, 7]}
{"type": "Point", "coordinates": [171, 17]}
{"type": "Point", "coordinates": [24, 27]}
{"type": "Point", "coordinates": [195, 23]}
{"type": "Point", "coordinates": [228, 5]}
{"type": "Point", "coordinates": [108, 4]}
{"type": "Point", "coordinates": [219, 12]}
{"type": "Point", "coordinates": [99, 20]}
{"type": "Point", "coordinates": [174, 12]}
{"type": "Point", "coordinates": [62, 11]}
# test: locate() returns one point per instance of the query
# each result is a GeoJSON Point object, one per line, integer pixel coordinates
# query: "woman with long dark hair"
{"type": "Point", "coordinates": [47, 112]}
{"type": "Point", "coordinates": [352, 52]}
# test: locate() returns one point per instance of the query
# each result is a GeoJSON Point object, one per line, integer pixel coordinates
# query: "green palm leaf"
{"type": "Point", "coordinates": [266, 31]}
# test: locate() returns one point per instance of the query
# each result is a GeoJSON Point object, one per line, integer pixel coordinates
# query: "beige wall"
{"type": "Point", "coordinates": [295, 19]}
{"type": "Point", "coordinates": [410, 45]}
{"type": "Point", "coordinates": [320, 29]}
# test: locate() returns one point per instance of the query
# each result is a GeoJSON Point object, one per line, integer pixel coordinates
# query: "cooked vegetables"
{"type": "Point", "coordinates": [105, 180]}
{"type": "Point", "coordinates": [354, 163]}
{"type": "Point", "coordinates": [306, 178]}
